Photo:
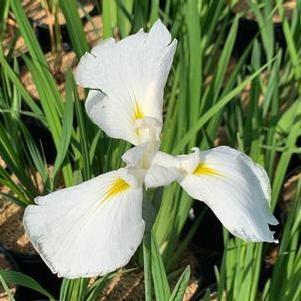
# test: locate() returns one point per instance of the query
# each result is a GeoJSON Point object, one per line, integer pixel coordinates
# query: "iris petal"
{"type": "Point", "coordinates": [128, 79]}
{"type": "Point", "coordinates": [89, 229]}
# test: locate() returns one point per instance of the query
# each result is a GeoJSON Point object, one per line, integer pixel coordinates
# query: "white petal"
{"type": "Point", "coordinates": [157, 176]}
{"type": "Point", "coordinates": [141, 156]}
{"type": "Point", "coordinates": [89, 229]}
{"type": "Point", "coordinates": [166, 160]}
{"type": "Point", "coordinates": [236, 189]}
{"type": "Point", "coordinates": [114, 118]}
{"type": "Point", "coordinates": [132, 74]}
{"type": "Point", "coordinates": [134, 155]}
{"type": "Point", "coordinates": [164, 169]}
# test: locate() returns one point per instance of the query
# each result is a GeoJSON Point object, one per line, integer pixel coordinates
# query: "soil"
{"type": "Point", "coordinates": [130, 286]}
{"type": "Point", "coordinates": [58, 67]}
{"type": "Point", "coordinates": [93, 29]}
{"type": "Point", "coordinates": [35, 10]}
{"type": "Point", "coordinates": [243, 7]}
{"type": "Point", "coordinates": [12, 236]}
{"type": "Point", "coordinates": [59, 63]}
{"type": "Point", "coordinates": [12, 233]}
{"type": "Point", "coordinates": [288, 193]}
{"type": "Point", "coordinates": [38, 14]}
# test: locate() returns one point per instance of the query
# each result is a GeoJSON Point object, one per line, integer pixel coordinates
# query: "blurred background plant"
{"type": "Point", "coordinates": [235, 80]}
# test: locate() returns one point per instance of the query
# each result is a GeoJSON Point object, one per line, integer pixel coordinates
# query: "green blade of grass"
{"type": "Point", "coordinates": [4, 8]}
{"type": "Point", "coordinates": [83, 138]}
{"type": "Point", "coordinates": [74, 26]}
{"type": "Point", "coordinates": [147, 264]}
{"type": "Point", "coordinates": [74, 289]}
{"type": "Point", "coordinates": [109, 15]}
{"type": "Point", "coordinates": [16, 81]}
{"type": "Point", "coordinates": [181, 286]}
{"type": "Point", "coordinates": [161, 286]}
{"type": "Point", "coordinates": [124, 16]}
{"type": "Point", "coordinates": [27, 32]}
{"type": "Point", "coordinates": [46, 96]}
{"type": "Point", "coordinates": [95, 290]}
{"type": "Point", "coordinates": [24, 280]}
{"type": "Point", "coordinates": [6, 288]}
{"type": "Point", "coordinates": [213, 110]}
{"type": "Point", "coordinates": [37, 54]}
{"type": "Point", "coordinates": [67, 124]}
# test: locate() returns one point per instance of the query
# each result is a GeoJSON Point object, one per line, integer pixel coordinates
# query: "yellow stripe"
{"type": "Point", "coordinates": [118, 186]}
{"type": "Point", "coordinates": [204, 170]}
{"type": "Point", "coordinates": [138, 114]}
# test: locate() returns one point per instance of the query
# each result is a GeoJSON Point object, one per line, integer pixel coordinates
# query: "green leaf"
{"type": "Point", "coordinates": [83, 137]}
{"type": "Point", "coordinates": [181, 286]}
{"type": "Point", "coordinates": [109, 17]}
{"type": "Point", "coordinates": [74, 26]}
{"type": "Point", "coordinates": [24, 280]}
{"type": "Point", "coordinates": [4, 7]}
{"type": "Point", "coordinates": [124, 16]}
{"type": "Point", "coordinates": [97, 287]}
{"type": "Point", "coordinates": [213, 110]}
{"type": "Point", "coordinates": [28, 33]}
{"type": "Point", "coordinates": [147, 264]}
{"type": "Point", "coordinates": [17, 83]}
{"type": "Point", "coordinates": [47, 99]}
{"type": "Point", "coordinates": [74, 289]}
{"type": "Point", "coordinates": [161, 286]}
{"type": "Point", "coordinates": [67, 124]}
{"type": "Point", "coordinates": [207, 296]}
{"type": "Point", "coordinates": [6, 288]}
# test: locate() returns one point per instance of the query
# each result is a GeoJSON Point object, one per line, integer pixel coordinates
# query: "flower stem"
{"type": "Point", "coordinates": [147, 266]}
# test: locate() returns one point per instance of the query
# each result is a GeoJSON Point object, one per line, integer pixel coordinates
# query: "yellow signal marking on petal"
{"type": "Point", "coordinates": [204, 169]}
{"type": "Point", "coordinates": [118, 186]}
{"type": "Point", "coordinates": [138, 113]}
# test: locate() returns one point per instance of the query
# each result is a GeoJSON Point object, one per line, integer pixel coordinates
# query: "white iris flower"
{"type": "Point", "coordinates": [95, 227]}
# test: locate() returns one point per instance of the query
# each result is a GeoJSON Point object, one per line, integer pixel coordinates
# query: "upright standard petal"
{"type": "Point", "coordinates": [232, 185]}
{"type": "Point", "coordinates": [89, 229]}
{"type": "Point", "coordinates": [131, 74]}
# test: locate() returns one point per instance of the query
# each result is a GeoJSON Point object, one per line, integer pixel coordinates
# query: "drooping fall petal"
{"type": "Point", "coordinates": [231, 184]}
{"type": "Point", "coordinates": [89, 229]}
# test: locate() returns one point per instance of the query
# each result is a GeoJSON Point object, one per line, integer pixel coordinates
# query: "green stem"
{"type": "Point", "coordinates": [147, 266]}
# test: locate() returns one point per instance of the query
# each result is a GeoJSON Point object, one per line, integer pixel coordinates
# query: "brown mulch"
{"type": "Point", "coordinates": [59, 63]}
{"type": "Point", "coordinates": [12, 236]}
{"type": "Point", "coordinates": [12, 233]}
{"type": "Point", "coordinates": [94, 30]}
{"type": "Point", "coordinates": [58, 67]}
{"type": "Point", "coordinates": [285, 201]}
{"type": "Point", "coordinates": [37, 11]}
{"type": "Point", "coordinates": [289, 190]}
{"type": "Point", "coordinates": [242, 7]}
{"type": "Point", "coordinates": [130, 286]}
